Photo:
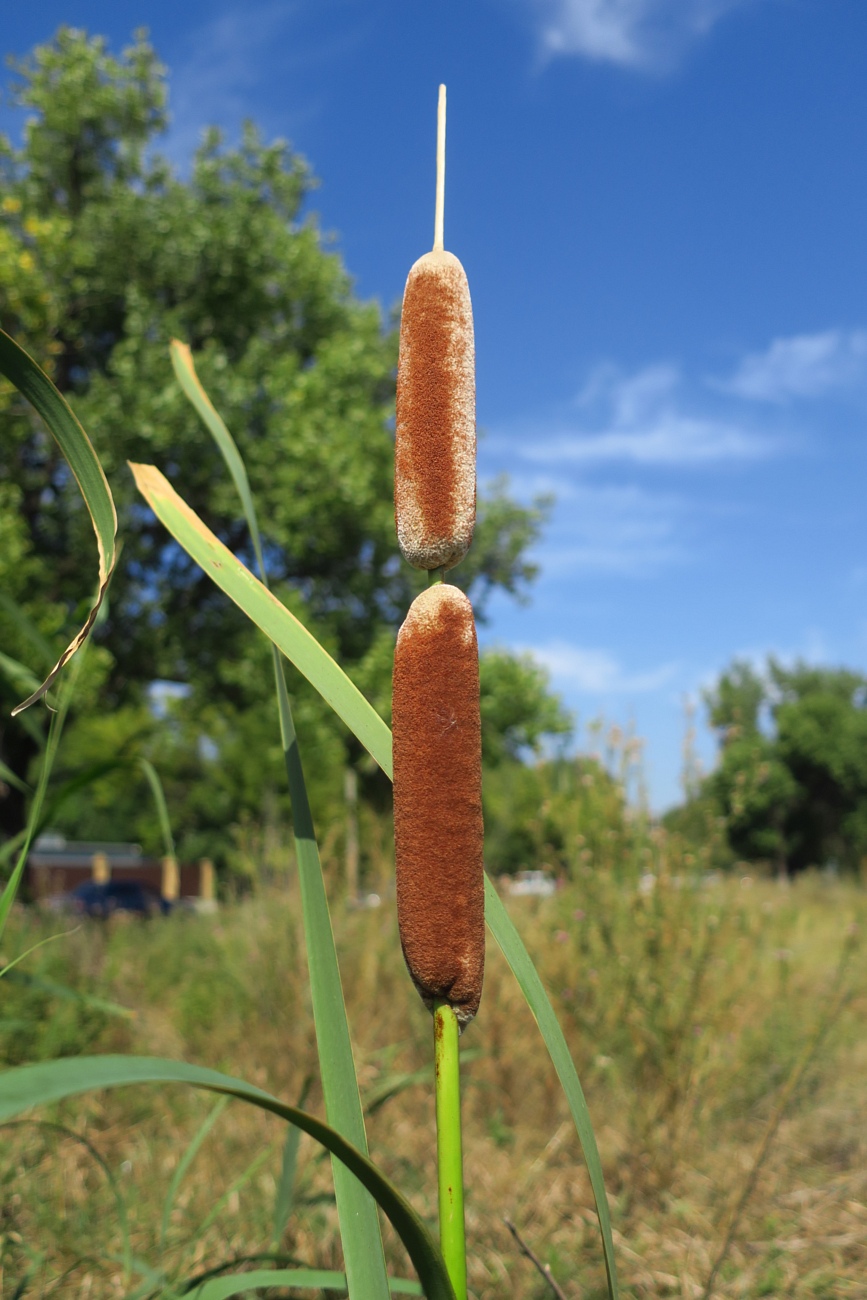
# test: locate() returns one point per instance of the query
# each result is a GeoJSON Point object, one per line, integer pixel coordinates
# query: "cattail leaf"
{"type": "Point", "coordinates": [34, 384]}
{"type": "Point", "coordinates": [221, 1288]}
{"type": "Point", "coordinates": [363, 1251]}
{"type": "Point", "coordinates": [50, 1081]}
{"type": "Point", "coordinates": [512, 946]}
{"type": "Point", "coordinates": [283, 628]}
{"type": "Point", "coordinates": [185, 371]}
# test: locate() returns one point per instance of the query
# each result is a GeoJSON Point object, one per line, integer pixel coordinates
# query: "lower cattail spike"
{"type": "Point", "coordinates": [438, 800]}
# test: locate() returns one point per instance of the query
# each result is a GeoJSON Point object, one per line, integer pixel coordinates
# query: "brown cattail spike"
{"type": "Point", "coordinates": [438, 800]}
{"type": "Point", "coordinates": [435, 446]}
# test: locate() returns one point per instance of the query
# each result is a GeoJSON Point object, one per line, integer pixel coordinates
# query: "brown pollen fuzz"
{"type": "Point", "coordinates": [435, 437]}
{"type": "Point", "coordinates": [438, 800]}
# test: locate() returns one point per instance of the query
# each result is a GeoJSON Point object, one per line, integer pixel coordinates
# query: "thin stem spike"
{"type": "Point", "coordinates": [449, 1154]}
{"type": "Point", "coordinates": [439, 216]}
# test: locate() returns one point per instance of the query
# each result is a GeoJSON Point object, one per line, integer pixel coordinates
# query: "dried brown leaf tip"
{"type": "Point", "coordinates": [438, 800]}
{"type": "Point", "coordinates": [435, 446]}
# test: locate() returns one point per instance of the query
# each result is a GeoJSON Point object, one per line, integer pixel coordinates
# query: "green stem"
{"type": "Point", "coordinates": [449, 1155]}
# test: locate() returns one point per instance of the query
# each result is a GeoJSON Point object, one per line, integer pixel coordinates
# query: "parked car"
{"type": "Point", "coordinates": [102, 900]}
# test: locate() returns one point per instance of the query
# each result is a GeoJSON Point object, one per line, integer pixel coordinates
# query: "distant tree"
{"type": "Point", "coordinates": [736, 701]}
{"type": "Point", "coordinates": [519, 713]}
{"type": "Point", "coordinates": [105, 255]}
{"type": "Point", "coordinates": [793, 792]}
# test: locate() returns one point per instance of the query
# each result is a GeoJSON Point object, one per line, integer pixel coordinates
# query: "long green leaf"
{"type": "Point", "coordinates": [288, 634]}
{"type": "Point", "coordinates": [363, 1251]}
{"type": "Point", "coordinates": [34, 1085]}
{"type": "Point", "coordinates": [525, 972]}
{"type": "Point", "coordinates": [10, 778]}
{"type": "Point", "coordinates": [49, 754]}
{"type": "Point", "coordinates": [64, 992]}
{"type": "Point", "coordinates": [182, 361]}
{"type": "Point", "coordinates": [288, 1167]}
{"type": "Point", "coordinates": [297, 1279]}
{"type": "Point", "coordinates": [359, 715]}
{"type": "Point", "coordinates": [35, 385]}
{"type": "Point", "coordinates": [34, 947]}
{"type": "Point", "coordinates": [187, 1159]}
{"type": "Point", "coordinates": [162, 811]}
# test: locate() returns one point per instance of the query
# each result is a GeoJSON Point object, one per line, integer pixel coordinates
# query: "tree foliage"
{"type": "Point", "coordinates": [792, 776]}
{"type": "Point", "coordinates": [106, 253]}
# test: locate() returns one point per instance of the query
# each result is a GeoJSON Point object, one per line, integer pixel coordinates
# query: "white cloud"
{"type": "Point", "coordinates": [645, 424]}
{"type": "Point", "coordinates": [648, 35]}
{"type": "Point", "coordinates": [805, 365]}
{"type": "Point", "coordinates": [596, 672]}
{"type": "Point", "coordinates": [223, 72]}
{"type": "Point", "coordinates": [611, 530]}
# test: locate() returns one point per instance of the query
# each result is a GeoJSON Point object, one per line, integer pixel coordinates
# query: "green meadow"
{"type": "Point", "coordinates": [690, 1009]}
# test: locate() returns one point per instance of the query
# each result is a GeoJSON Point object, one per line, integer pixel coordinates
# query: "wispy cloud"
{"type": "Point", "coordinates": [596, 672]}
{"type": "Point", "coordinates": [645, 421]}
{"type": "Point", "coordinates": [611, 529]}
{"type": "Point", "coordinates": [226, 70]}
{"type": "Point", "coordinates": [804, 365]}
{"type": "Point", "coordinates": [647, 35]}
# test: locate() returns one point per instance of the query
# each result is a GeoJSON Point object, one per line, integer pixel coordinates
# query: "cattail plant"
{"type": "Point", "coordinates": [436, 719]}
{"type": "Point", "coordinates": [444, 900]}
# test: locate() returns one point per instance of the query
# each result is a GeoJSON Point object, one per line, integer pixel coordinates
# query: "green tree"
{"type": "Point", "coordinates": [793, 793]}
{"type": "Point", "coordinates": [105, 255]}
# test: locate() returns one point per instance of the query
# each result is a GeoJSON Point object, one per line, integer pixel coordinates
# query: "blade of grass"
{"type": "Point", "coordinates": [7, 898]}
{"type": "Point", "coordinates": [34, 384]}
{"type": "Point", "coordinates": [7, 775]}
{"type": "Point", "coordinates": [288, 1168]}
{"type": "Point", "coordinates": [364, 1255]}
{"type": "Point", "coordinates": [186, 1160]}
{"type": "Point", "coordinates": [49, 1081]}
{"type": "Point", "coordinates": [52, 938]}
{"type": "Point", "coordinates": [162, 811]}
{"type": "Point", "coordinates": [69, 995]}
{"type": "Point", "coordinates": [185, 371]}
{"type": "Point", "coordinates": [304, 1279]}
{"type": "Point", "coordinates": [253, 1167]}
{"type": "Point", "coordinates": [58, 719]}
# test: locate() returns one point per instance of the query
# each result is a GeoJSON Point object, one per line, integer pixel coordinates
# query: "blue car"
{"type": "Point", "coordinates": [103, 900]}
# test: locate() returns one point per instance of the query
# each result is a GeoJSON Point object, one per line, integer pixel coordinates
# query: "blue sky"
{"type": "Point", "coordinates": [661, 206]}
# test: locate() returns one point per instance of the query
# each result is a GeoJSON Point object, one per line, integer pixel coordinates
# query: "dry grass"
{"type": "Point", "coordinates": [687, 1009]}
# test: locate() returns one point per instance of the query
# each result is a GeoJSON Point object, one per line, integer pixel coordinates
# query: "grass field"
{"type": "Point", "coordinates": [693, 1006]}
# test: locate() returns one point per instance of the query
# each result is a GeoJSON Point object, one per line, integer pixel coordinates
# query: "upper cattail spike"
{"type": "Point", "coordinates": [439, 215]}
